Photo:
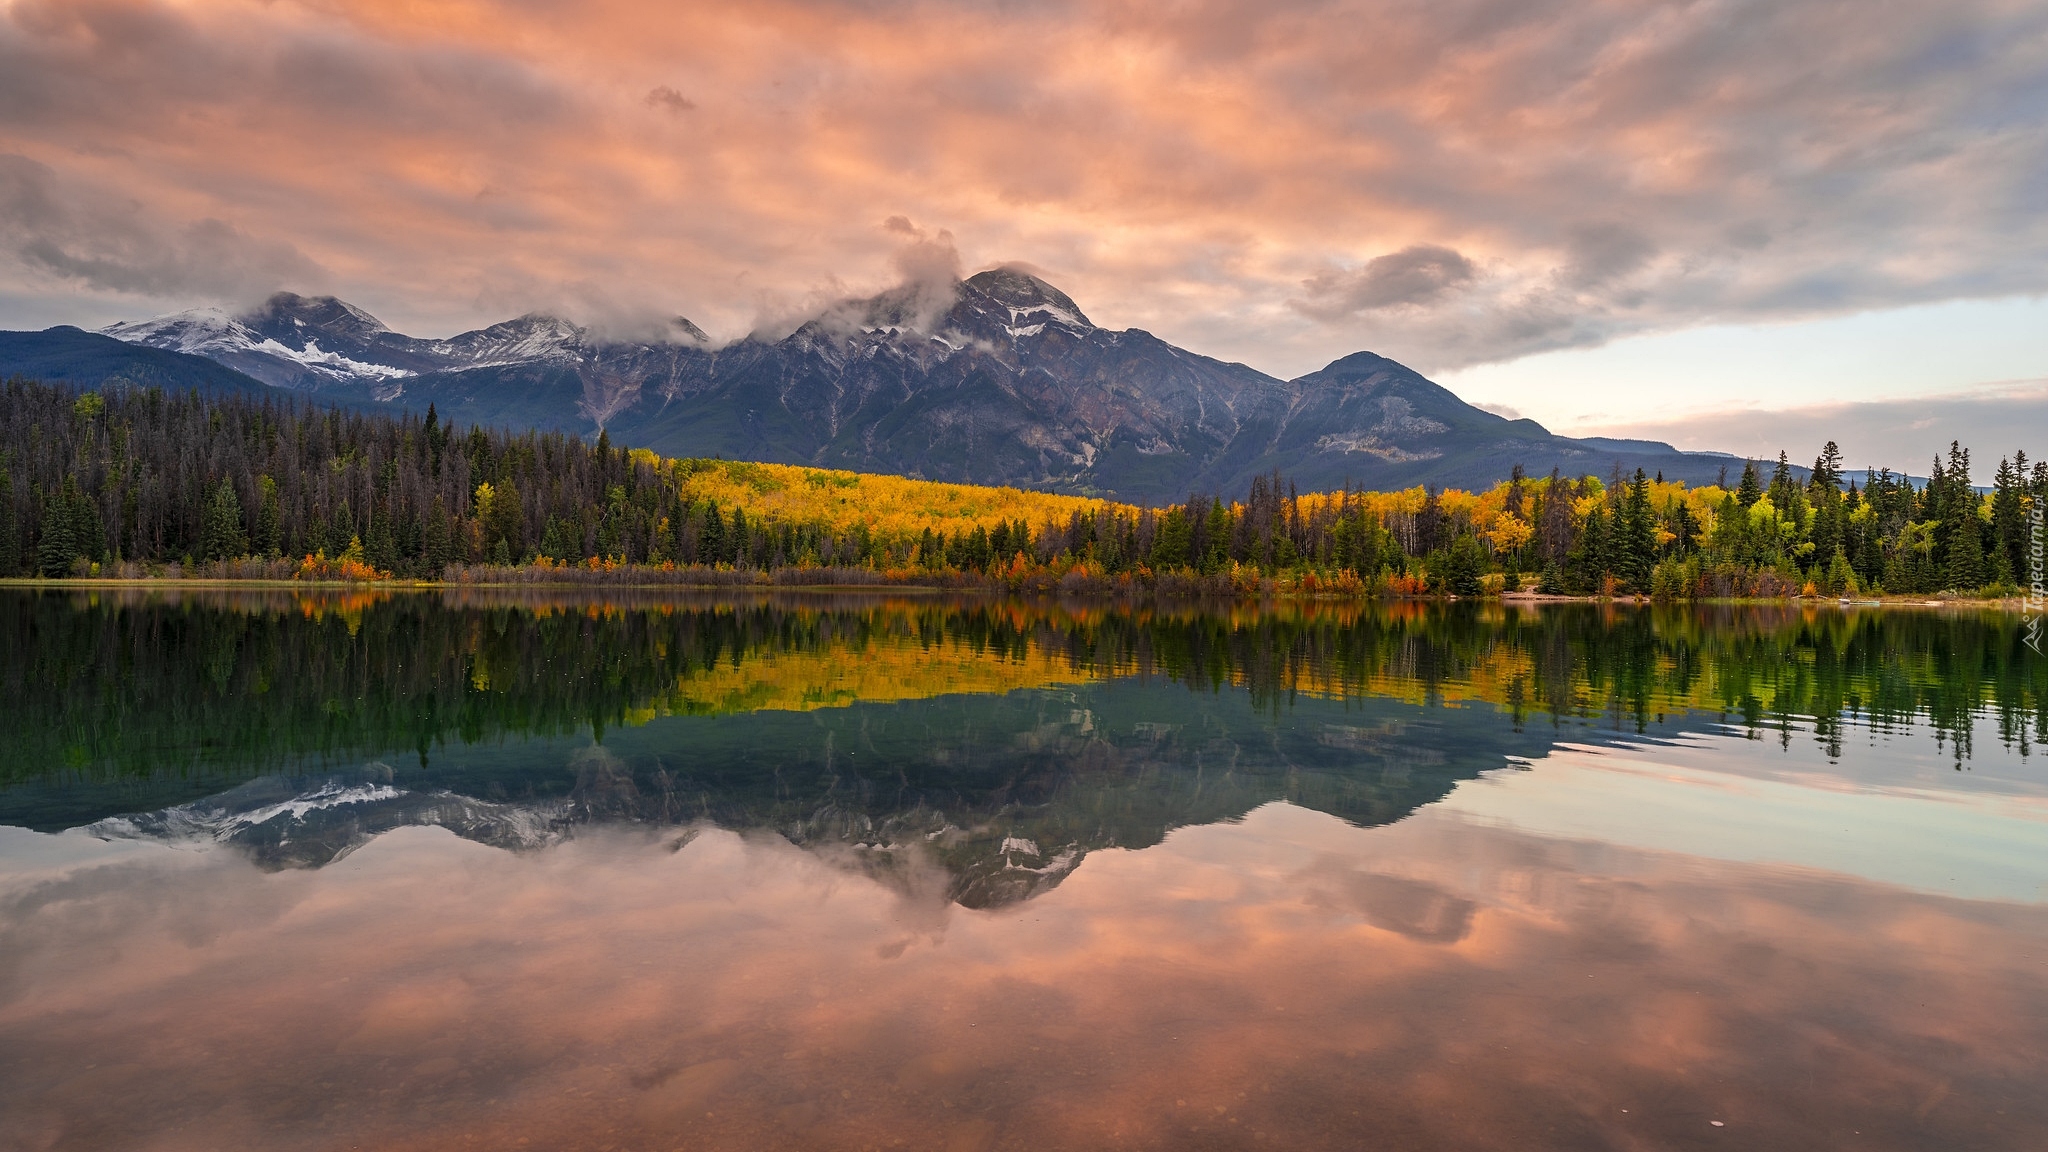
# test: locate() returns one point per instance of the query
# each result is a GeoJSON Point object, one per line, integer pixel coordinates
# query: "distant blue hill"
{"type": "Point", "coordinates": [89, 360]}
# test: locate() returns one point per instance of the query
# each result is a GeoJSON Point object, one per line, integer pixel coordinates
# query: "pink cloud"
{"type": "Point", "coordinates": [1600, 168]}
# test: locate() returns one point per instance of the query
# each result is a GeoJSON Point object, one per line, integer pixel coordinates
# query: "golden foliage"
{"type": "Point", "coordinates": [898, 669]}
{"type": "Point", "coordinates": [892, 508]}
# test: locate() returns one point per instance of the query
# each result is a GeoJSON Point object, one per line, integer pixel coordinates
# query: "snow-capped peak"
{"type": "Point", "coordinates": [212, 333]}
{"type": "Point", "coordinates": [196, 331]}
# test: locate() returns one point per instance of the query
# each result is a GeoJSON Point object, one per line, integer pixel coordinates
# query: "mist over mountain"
{"type": "Point", "coordinates": [1000, 378]}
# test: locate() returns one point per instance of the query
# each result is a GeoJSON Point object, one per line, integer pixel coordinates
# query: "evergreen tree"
{"type": "Point", "coordinates": [1685, 530]}
{"type": "Point", "coordinates": [1827, 468]}
{"type": "Point", "coordinates": [222, 537]}
{"type": "Point", "coordinates": [1783, 487]}
{"type": "Point", "coordinates": [55, 545]}
{"type": "Point", "coordinates": [342, 531]}
{"type": "Point", "coordinates": [437, 547]}
{"type": "Point", "coordinates": [1216, 553]}
{"type": "Point", "coordinates": [87, 526]}
{"type": "Point", "coordinates": [1586, 567]}
{"type": "Point", "coordinates": [554, 543]}
{"type": "Point", "coordinates": [10, 529]}
{"type": "Point", "coordinates": [1966, 552]}
{"type": "Point", "coordinates": [1635, 547]}
{"type": "Point", "coordinates": [506, 518]}
{"type": "Point", "coordinates": [1173, 541]}
{"type": "Point", "coordinates": [268, 538]}
{"type": "Point", "coordinates": [1750, 491]}
{"type": "Point", "coordinates": [1464, 563]}
{"type": "Point", "coordinates": [381, 550]}
{"type": "Point", "coordinates": [742, 539]}
{"type": "Point", "coordinates": [2009, 519]}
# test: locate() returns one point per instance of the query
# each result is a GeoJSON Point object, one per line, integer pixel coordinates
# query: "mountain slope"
{"type": "Point", "coordinates": [88, 359]}
{"type": "Point", "coordinates": [998, 379]}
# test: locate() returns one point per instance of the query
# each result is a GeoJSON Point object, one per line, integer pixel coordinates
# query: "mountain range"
{"type": "Point", "coordinates": [997, 379]}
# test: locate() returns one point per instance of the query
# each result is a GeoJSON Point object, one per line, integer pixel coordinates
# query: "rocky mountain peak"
{"type": "Point", "coordinates": [1360, 365]}
{"type": "Point", "coordinates": [1024, 293]}
{"type": "Point", "coordinates": [322, 315]}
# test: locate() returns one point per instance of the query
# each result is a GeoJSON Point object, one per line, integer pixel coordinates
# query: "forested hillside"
{"type": "Point", "coordinates": [142, 482]}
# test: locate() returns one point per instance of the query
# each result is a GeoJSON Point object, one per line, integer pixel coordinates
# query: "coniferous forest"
{"type": "Point", "coordinates": [139, 482]}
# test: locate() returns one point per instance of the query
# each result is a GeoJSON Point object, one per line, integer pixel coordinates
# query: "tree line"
{"type": "Point", "coordinates": [141, 481]}
{"type": "Point", "coordinates": [236, 684]}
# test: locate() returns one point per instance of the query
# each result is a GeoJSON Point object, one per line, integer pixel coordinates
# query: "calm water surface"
{"type": "Point", "coordinates": [414, 872]}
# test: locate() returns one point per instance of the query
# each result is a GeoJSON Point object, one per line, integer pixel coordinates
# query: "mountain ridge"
{"type": "Point", "coordinates": [1000, 378]}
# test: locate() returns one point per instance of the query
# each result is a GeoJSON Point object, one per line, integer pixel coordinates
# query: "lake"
{"type": "Point", "coordinates": [467, 870]}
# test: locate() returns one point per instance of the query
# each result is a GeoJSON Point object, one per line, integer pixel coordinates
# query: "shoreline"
{"type": "Point", "coordinates": [2016, 604]}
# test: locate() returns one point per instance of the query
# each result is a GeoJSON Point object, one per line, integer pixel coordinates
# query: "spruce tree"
{"type": "Point", "coordinates": [1216, 551]}
{"type": "Point", "coordinates": [437, 546]}
{"type": "Point", "coordinates": [711, 547]}
{"type": "Point", "coordinates": [741, 541]}
{"type": "Point", "coordinates": [221, 537]}
{"type": "Point", "coordinates": [1782, 486]}
{"type": "Point", "coordinates": [1966, 552]}
{"type": "Point", "coordinates": [1586, 565]}
{"type": "Point", "coordinates": [1463, 565]}
{"type": "Point", "coordinates": [2009, 518]}
{"type": "Point", "coordinates": [1827, 468]}
{"type": "Point", "coordinates": [268, 538]}
{"type": "Point", "coordinates": [1750, 490]}
{"type": "Point", "coordinates": [1635, 548]}
{"type": "Point", "coordinates": [55, 545]}
{"type": "Point", "coordinates": [10, 529]}
{"type": "Point", "coordinates": [381, 551]}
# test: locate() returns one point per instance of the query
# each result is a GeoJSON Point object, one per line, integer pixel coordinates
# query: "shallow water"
{"type": "Point", "coordinates": [447, 872]}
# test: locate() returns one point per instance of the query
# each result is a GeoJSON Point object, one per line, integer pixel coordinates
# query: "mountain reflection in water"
{"type": "Point", "coordinates": [424, 872]}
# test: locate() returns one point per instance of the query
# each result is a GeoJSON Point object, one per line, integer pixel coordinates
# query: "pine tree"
{"type": "Point", "coordinates": [741, 540]}
{"type": "Point", "coordinates": [1827, 468]}
{"type": "Point", "coordinates": [2009, 519]}
{"type": "Point", "coordinates": [222, 537]}
{"type": "Point", "coordinates": [268, 538]}
{"type": "Point", "coordinates": [711, 547]}
{"type": "Point", "coordinates": [1685, 529]}
{"type": "Point", "coordinates": [1750, 490]}
{"type": "Point", "coordinates": [381, 551]}
{"type": "Point", "coordinates": [342, 530]}
{"type": "Point", "coordinates": [437, 546]}
{"type": "Point", "coordinates": [1782, 486]}
{"type": "Point", "coordinates": [1586, 566]}
{"type": "Point", "coordinates": [1635, 549]}
{"type": "Point", "coordinates": [1966, 552]}
{"type": "Point", "coordinates": [1463, 565]}
{"type": "Point", "coordinates": [10, 529]}
{"type": "Point", "coordinates": [1217, 553]}
{"type": "Point", "coordinates": [55, 545]}
{"type": "Point", "coordinates": [1173, 541]}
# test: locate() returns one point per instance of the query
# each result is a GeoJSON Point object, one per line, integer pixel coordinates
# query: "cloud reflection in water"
{"type": "Point", "coordinates": [1287, 981]}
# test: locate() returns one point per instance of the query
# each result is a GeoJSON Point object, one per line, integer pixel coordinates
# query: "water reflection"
{"type": "Point", "coordinates": [463, 872]}
{"type": "Point", "coordinates": [151, 690]}
{"type": "Point", "coordinates": [1288, 981]}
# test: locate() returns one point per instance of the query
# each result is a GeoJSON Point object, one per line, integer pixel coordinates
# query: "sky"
{"type": "Point", "coordinates": [1611, 214]}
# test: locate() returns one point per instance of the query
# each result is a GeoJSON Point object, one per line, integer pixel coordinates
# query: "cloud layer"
{"type": "Point", "coordinates": [1451, 183]}
{"type": "Point", "coordinates": [1903, 435]}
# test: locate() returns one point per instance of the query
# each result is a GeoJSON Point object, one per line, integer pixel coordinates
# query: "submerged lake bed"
{"type": "Point", "coordinates": [482, 870]}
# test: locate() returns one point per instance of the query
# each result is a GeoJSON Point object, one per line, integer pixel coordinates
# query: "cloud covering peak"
{"type": "Point", "coordinates": [1276, 181]}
